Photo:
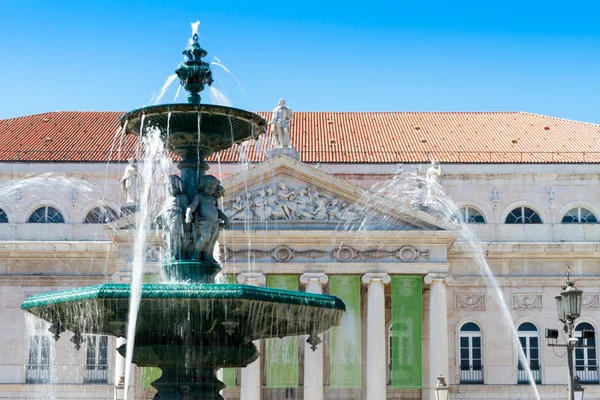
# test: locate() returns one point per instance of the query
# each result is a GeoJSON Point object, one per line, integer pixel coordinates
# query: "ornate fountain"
{"type": "Point", "coordinates": [191, 326]}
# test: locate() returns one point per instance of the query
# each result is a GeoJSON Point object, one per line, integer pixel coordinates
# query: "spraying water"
{"type": "Point", "coordinates": [156, 166]}
{"type": "Point", "coordinates": [408, 190]}
{"type": "Point", "coordinates": [219, 64]}
{"type": "Point", "coordinates": [218, 97]}
{"type": "Point", "coordinates": [168, 83]}
{"type": "Point", "coordinates": [195, 26]}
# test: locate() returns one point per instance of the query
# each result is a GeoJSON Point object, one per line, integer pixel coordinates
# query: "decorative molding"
{"type": "Point", "coordinates": [319, 277]}
{"type": "Point", "coordinates": [527, 301]}
{"type": "Point", "coordinates": [343, 253]}
{"type": "Point", "coordinates": [289, 202]}
{"type": "Point", "coordinates": [471, 301]}
{"type": "Point", "coordinates": [551, 199]}
{"type": "Point", "coordinates": [252, 278]}
{"type": "Point", "coordinates": [495, 198]}
{"type": "Point", "coordinates": [430, 278]}
{"type": "Point", "coordinates": [376, 277]}
{"type": "Point", "coordinates": [589, 301]}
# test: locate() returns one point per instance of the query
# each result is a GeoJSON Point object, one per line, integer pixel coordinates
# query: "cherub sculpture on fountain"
{"type": "Point", "coordinates": [207, 218]}
{"type": "Point", "coordinates": [176, 233]}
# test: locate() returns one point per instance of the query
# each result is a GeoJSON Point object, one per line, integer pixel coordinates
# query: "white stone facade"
{"type": "Point", "coordinates": [529, 261]}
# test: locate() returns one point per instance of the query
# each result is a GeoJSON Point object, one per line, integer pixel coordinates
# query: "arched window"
{"type": "Point", "coordinates": [579, 215]}
{"type": "Point", "coordinates": [530, 343]}
{"type": "Point", "coordinates": [471, 215]}
{"type": "Point", "coordinates": [101, 215]}
{"type": "Point", "coordinates": [523, 215]}
{"type": "Point", "coordinates": [471, 365]}
{"type": "Point", "coordinates": [3, 217]}
{"type": "Point", "coordinates": [586, 358]}
{"type": "Point", "coordinates": [46, 215]}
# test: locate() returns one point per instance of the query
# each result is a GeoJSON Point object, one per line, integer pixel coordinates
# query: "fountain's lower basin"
{"type": "Point", "coordinates": [196, 327]}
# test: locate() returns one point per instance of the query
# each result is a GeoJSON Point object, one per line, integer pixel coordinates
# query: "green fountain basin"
{"type": "Point", "coordinates": [220, 126]}
{"type": "Point", "coordinates": [177, 321]}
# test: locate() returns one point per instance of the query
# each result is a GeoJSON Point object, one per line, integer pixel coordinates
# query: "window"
{"type": "Point", "coordinates": [46, 215]}
{"type": "Point", "coordinates": [96, 363]}
{"type": "Point", "coordinates": [579, 215]}
{"type": "Point", "coordinates": [3, 217]}
{"type": "Point", "coordinates": [530, 343]}
{"type": "Point", "coordinates": [38, 362]}
{"type": "Point", "coordinates": [471, 215]}
{"type": "Point", "coordinates": [586, 359]}
{"type": "Point", "coordinates": [101, 215]}
{"type": "Point", "coordinates": [471, 366]}
{"type": "Point", "coordinates": [523, 215]}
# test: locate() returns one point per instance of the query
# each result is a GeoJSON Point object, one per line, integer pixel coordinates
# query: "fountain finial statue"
{"type": "Point", "coordinates": [280, 120]}
{"type": "Point", "coordinates": [194, 73]}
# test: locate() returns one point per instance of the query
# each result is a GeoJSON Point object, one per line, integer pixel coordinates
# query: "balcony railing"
{"type": "Point", "coordinates": [523, 379]}
{"type": "Point", "coordinates": [96, 374]}
{"type": "Point", "coordinates": [587, 373]}
{"type": "Point", "coordinates": [38, 373]}
{"type": "Point", "coordinates": [470, 375]}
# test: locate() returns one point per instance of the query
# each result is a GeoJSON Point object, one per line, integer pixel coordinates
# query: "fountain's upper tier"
{"type": "Point", "coordinates": [208, 126]}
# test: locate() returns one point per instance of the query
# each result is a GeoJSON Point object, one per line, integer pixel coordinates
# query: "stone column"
{"type": "Point", "coordinates": [119, 370]}
{"type": "Point", "coordinates": [251, 381]}
{"type": "Point", "coordinates": [313, 360]}
{"type": "Point", "coordinates": [376, 337]}
{"type": "Point", "coordinates": [438, 329]}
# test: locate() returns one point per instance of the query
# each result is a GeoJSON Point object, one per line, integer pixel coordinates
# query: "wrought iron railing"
{"type": "Point", "coordinates": [38, 373]}
{"type": "Point", "coordinates": [523, 379]}
{"type": "Point", "coordinates": [470, 375]}
{"type": "Point", "coordinates": [96, 374]}
{"type": "Point", "coordinates": [587, 373]}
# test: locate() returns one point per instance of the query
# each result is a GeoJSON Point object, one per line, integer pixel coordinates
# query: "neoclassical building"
{"type": "Point", "coordinates": [336, 221]}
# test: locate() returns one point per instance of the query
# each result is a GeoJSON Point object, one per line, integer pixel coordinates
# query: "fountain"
{"type": "Point", "coordinates": [190, 326]}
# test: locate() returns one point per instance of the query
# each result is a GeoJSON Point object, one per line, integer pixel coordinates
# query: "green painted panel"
{"type": "Point", "coordinates": [346, 354]}
{"type": "Point", "coordinates": [282, 354]}
{"type": "Point", "coordinates": [406, 340]}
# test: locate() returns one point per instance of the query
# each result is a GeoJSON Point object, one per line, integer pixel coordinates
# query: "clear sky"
{"type": "Point", "coordinates": [536, 56]}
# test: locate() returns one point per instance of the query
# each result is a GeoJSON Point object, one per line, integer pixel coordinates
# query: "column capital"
{"type": "Point", "coordinates": [430, 278]}
{"type": "Point", "coordinates": [252, 278]}
{"type": "Point", "coordinates": [317, 277]}
{"type": "Point", "coordinates": [376, 277]}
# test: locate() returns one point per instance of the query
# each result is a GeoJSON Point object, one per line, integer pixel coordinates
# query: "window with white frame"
{"type": "Point", "coordinates": [530, 343]}
{"type": "Point", "coordinates": [471, 215]}
{"type": "Point", "coordinates": [523, 215]}
{"type": "Point", "coordinates": [101, 215]}
{"type": "Point", "coordinates": [46, 215]}
{"type": "Point", "coordinates": [579, 215]}
{"type": "Point", "coordinates": [38, 362]}
{"type": "Point", "coordinates": [96, 363]}
{"type": "Point", "coordinates": [586, 358]}
{"type": "Point", "coordinates": [471, 365]}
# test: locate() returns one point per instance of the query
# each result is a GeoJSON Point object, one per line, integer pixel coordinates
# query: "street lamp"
{"type": "Point", "coordinates": [568, 308]}
{"type": "Point", "coordinates": [441, 389]}
{"type": "Point", "coordinates": [578, 389]}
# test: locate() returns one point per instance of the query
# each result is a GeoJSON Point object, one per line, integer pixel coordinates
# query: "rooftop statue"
{"type": "Point", "coordinates": [434, 181]}
{"type": "Point", "coordinates": [280, 120]}
{"type": "Point", "coordinates": [129, 181]}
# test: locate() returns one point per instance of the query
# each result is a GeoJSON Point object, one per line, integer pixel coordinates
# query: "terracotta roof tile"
{"type": "Point", "coordinates": [330, 137]}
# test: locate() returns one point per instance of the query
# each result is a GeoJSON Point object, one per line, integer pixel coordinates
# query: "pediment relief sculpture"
{"type": "Point", "coordinates": [289, 202]}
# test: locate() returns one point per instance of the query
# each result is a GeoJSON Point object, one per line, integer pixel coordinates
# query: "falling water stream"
{"type": "Point", "coordinates": [409, 191]}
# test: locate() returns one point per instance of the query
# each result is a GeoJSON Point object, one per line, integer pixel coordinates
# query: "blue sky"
{"type": "Point", "coordinates": [541, 57]}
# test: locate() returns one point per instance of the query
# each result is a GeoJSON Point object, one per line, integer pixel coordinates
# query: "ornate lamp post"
{"type": "Point", "coordinates": [568, 308]}
{"type": "Point", "coordinates": [441, 389]}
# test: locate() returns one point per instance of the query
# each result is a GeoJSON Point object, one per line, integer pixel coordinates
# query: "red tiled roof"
{"type": "Point", "coordinates": [330, 137]}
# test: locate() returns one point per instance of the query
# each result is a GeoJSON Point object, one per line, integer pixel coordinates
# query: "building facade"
{"type": "Point", "coordinates": [345, 219]}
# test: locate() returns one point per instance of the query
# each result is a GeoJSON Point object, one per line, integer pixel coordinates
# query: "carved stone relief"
{"type": "Point", "coordinates": [589, 301]}
{"type": "Point", "coordinates": [469, 301]}
{"type": "Point", "coordinates": [289, 202]}
{"type": "Point", "coordinates": [343, 253]}
{"type": "Point", "coordinates": [527, 300]}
